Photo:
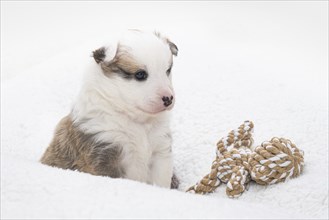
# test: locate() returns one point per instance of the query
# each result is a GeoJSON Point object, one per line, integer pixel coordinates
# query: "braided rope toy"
{"type": "Point", "coordinates": [236, 164]}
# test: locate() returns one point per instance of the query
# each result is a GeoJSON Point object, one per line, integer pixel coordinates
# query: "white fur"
{"type": "Point", "coordinates": [130, 113]}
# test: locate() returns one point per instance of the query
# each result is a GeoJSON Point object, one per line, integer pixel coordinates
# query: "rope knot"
{"type": "Point", "coordinates": [235, 164]}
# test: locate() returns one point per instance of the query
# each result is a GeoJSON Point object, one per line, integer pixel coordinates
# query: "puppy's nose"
{"type": "Point", "coordinates": [167, 100]}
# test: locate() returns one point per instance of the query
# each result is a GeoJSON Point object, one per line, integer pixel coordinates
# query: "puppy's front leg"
{"type": "Point", "coordinates": [161, 169]}
{"type": "Point", "coordinates": [137, 171]}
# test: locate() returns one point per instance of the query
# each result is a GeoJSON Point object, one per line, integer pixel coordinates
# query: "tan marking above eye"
{"type": "Point", "coordinates": [128, 63]}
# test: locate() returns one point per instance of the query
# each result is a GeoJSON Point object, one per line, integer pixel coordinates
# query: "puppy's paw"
{"type": "Point", "coordinates": [174, 182]}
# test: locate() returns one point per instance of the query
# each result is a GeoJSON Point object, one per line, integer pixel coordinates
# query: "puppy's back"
{"type": "Point", "coordinates": [73, 149]}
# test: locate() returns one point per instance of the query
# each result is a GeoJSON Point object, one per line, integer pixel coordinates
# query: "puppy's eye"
{"type": "Point", "coordinates": [141, 75]}
{"type": "Point", "coordinates": [168, 71]}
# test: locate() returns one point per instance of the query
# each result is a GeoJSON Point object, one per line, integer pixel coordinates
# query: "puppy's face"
{"type": "Point", "coordinates": [140, 71]}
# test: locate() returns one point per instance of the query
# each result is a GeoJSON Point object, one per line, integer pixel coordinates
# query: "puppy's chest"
{"type": "Point", "coordinates": [140, 140]}
{"type": "Point", "coordinates": [147, 140]}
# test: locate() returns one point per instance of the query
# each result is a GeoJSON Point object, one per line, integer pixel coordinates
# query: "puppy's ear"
{"type": "Point", "coordinates": [99, 55]}
{"type": "Point", "coordinates": [173, 48]}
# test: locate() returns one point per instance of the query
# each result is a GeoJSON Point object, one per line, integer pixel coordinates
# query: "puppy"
{"type": "Point", "coordinates": [119, 124]}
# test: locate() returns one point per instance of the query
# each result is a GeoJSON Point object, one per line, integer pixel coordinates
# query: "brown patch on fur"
{"type": "Point", "coordinates": [174, 182]}
{"type": "Point", "coordinates": [75, 150]}
{"type": "Point", "coordinates": [122, 63]}
{"type": "Point", "coordinates": [173, 48]}
{"type": "Point", "coordinates": [99, 54]}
